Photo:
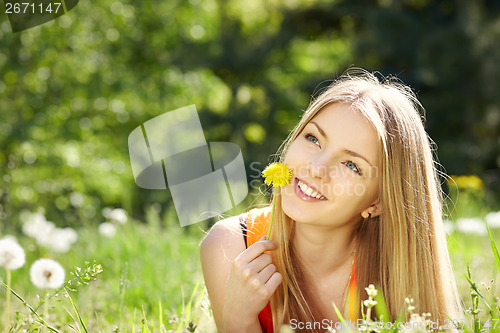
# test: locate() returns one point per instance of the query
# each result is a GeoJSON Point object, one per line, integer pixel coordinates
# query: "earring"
{"type": "Point", "coordinates": [369, 216]}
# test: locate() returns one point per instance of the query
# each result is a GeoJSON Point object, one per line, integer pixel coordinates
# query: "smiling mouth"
{"type": "Point", "coordinates": [306, 192]}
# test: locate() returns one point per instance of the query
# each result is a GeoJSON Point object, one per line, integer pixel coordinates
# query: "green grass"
{"type": "Point", "coordinates": [148, 272]}
{"type": "Point", "coordinates": [152, 280]}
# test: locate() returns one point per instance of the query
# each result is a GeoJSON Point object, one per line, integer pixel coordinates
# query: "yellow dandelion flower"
{"type": "Point", "coordinates": [277, 174]}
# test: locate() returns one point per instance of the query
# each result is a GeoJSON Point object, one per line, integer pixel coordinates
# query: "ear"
{"type": "Point", "coordinates": [375, 209]}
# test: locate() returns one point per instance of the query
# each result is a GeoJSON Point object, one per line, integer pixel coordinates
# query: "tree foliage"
{"type": "Point", "coordinates": [73, 89]}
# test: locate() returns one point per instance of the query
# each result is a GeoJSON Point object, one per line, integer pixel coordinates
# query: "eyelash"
{"type": "Point", "coordinates": [309, 135]}
{"type": "Point", "coordinates": [356, 169]}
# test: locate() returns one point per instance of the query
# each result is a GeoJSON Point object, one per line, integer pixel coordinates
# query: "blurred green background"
{"type": "Point", "coordinates": [73, 89]}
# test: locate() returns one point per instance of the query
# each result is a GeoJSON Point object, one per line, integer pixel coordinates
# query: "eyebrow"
{"type": "Point", "coordinates": [319, 129]}
{"type": "Point", "coordinates": [353, 153]}
{"type": "Point", "coordinates": [347, 151]}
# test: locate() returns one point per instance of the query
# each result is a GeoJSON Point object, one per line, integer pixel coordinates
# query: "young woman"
{"type": "Point", "coordinates": [363, 207]}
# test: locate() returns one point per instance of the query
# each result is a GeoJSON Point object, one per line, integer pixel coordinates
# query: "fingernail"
{"type": "Point", "coordinates": [263, 237]}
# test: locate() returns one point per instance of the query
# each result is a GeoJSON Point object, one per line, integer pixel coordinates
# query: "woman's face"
{"type": "Point", "coordinates": [335, 169]}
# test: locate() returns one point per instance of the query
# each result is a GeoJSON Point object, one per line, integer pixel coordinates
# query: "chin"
{"type": "Point", "coordinates": [294, 211]}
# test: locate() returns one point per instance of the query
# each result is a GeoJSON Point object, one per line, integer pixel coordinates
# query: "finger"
{"type": "Point", "coordinates": [264, 285]}
{"type": "Point", "coordinates": [256, 250]}
{"type": "Point", "coordinates": [273, 282]}
{"type": "Point", "coordinates": [259, 263]}
{"type": "Point", "coordinates": [265, 274]}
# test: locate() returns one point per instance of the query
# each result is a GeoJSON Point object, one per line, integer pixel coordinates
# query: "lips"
{"type": "Point", "coordinates": [308, 192]}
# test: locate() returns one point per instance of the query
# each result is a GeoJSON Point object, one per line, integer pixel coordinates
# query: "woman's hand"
{"type": "Point", "coordinates": [251, 283]}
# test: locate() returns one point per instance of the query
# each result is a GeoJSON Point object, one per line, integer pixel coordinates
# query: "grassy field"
{"type": "Point", "coordinates": [150, 271]}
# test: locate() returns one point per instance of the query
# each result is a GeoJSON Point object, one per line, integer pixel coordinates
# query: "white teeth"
{"type": "Point", "coordinates": [309, 191]}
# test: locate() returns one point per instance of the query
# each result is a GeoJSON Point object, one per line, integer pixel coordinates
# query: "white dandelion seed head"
{"type": "Point", "coordinates": [107, 229]}
{"type": "Point", "coordinates": [493, 219]}
{"type": "Point", "coordinates": [449, 226]}
{"type": "Point", "coordinates": [61, 246]}
{"type": "Point", "coordinates": [12, 255]}
{"type": "Point", "coordinates": [472, 225]}
{"type": "Point", "coordinates": [44, 236]}
{"type": "Point", "coordinates": [62, 239]}
{"type": "Point", "coordinates": [47, 274]}
{"type": "Point", "coordinates": [70, 234]}
{"type": "Point", "coordinates": [33, 223]}
{"type": "Point", "coordinates": [118, 215]}
{"type": "Point", "coordinates": [11, 237]}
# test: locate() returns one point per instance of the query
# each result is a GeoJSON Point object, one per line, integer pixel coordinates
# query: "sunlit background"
{"type": "Point", "coordinates": [73, 89]}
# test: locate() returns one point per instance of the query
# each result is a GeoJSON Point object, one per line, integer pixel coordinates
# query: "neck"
{"type": "Point", "coordinates": [324, 251]}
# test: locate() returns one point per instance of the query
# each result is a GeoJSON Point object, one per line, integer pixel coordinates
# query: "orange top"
{"type": "Point", "coordinates": [257, 225]}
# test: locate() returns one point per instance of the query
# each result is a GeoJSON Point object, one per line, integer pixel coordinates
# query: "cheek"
{"type": "Point", "coordinates": [294, 157]}
{"type": "Point", "coordinates": [368, 193]}
{"type": "Point", "coordinates": [344, 186]}
{"type": "Point", "coordinates": [353, 190]}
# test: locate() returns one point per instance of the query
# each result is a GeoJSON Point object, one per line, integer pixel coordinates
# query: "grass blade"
{"type": "Point", "coordinates": [123, 288]}
{"type": "Point", "coordinates": [381, 306]}
{"type": "Point", "coordinates": [144, 328]}
{"type": "Point", "coordinates": [494, 248]}
{"type": "Point", "coordinates": [40, 319]}
{"type": "Point", "coordinates": [200, 299]}
{"type": "Point", "coordinates": [76, 311]}
{"type": "Point", "coordinates": [133, 320]}
{"type": "Point", "coordinates": [453, 322]}
{"type": "Point", "coordinates": [187, 308]}
{"type": "Point", "coordinates": [473, 286]}
{"type": "Point", "coordinates": [399, 319]}
{"type": "Point", "coordinates": [182, 318]}
{"type": "Point", "coordinates": [69, 314]}
{"type": "Point", "coordinates": [190, 303]}
{"type": "Point", "coordinates": [162, 326]}
{"type": "Point", "coordinates": [337, 311]}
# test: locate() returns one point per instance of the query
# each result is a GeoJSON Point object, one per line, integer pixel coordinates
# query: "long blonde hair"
{"type": "Point", "coordinates": [403, 251]}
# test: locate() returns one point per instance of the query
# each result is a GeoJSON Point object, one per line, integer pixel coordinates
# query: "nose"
{"type": "Point", "coordinates": [318, 167]}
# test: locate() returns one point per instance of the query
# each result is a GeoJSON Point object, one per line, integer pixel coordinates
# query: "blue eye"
{"type": "Point", "coordinates": [351, 165]}
{"type": "Point", "coordinates": [312, 138]}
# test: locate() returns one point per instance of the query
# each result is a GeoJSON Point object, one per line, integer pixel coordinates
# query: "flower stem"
{"type": "Point", "coordinates": [7, 303]}
{"type": "Point", "coordinates": [272, 215]}
{"type": "Point", "coordinates": [368, 313]}
{"type": "Point", "coordinates": [46, 306]}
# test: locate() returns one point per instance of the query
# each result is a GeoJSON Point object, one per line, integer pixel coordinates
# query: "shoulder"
{"type": "Point", "coordinates": [220, 246]}
{"type": "Point", "coordinates": [225, 234]}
